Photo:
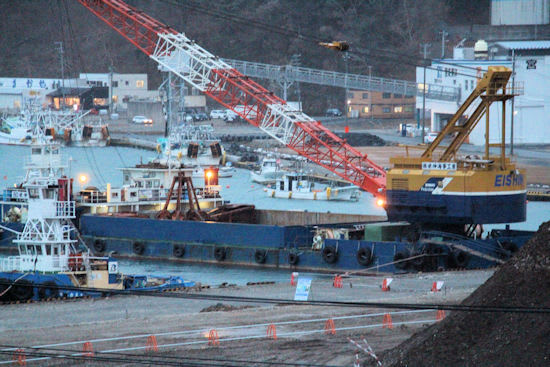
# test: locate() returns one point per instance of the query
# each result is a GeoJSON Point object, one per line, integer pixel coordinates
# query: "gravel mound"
{"type": "Point", "coordinates": [362, 139]}
{"type": "Point", "coordinates": [222, 307]}
{"type": "Point", "coordinates": [492, 339]}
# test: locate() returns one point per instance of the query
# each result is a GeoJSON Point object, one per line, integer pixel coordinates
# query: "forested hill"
{"type": "Point", "coordinates": [253, 30]}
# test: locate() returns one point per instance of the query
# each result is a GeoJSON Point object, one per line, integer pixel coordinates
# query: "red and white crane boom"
{"type": "Point", "coordinates": [176, 53]}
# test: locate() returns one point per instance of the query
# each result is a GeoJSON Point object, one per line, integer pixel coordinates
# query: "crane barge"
{"type": "Point", "coordinates": [440, 191]}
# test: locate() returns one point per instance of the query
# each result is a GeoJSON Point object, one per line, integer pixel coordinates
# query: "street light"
{"type": "Point", "coordinates": [82, 179]}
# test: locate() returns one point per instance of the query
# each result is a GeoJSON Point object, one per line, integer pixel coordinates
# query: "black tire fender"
{"type": "Point", "coordinates": [219, 253]}
{"type": "Point", "coordinates": [48, 290]}
{"type": "Point", "coordinates": [22, 290]}
{"type": "Point", "coordinates": [99, 245]}
{"type": "Point", "coordinates": [461, 258]}
{"type": "Point", "coordinates": [178, 251]}
{"type": "Point", "coordinates": [401, 255]}
{"type": "Point", "coordinates": [293, 258]}
{"type": "Point", "coordinates": [260, 256]}
{"type": "Point", "coordinates": [510, 246]}
{"type": "Point", "coordinates": [330, 255]}
{"type": "Point", "coordinates": [364, 256]}
{"type": "Point", "coordinates": [139, 248]}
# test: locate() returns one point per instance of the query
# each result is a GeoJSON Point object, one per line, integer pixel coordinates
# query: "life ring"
{"type": "Point", "coordinates": [99, 245]}
{"type": "Point", "coordinates": [219, 253]}
{"type": "Point", "coordinates": [293, 258]}
{"type": "Point", "coordinates": [260, 256]}
{"type": "Point", "coordinates": [364, 256]}
{"type": "Point", "coordinates": [139, 248]}
{"type": "Point", "coordinates": [398, 257]}
{"type": "Point", "coordinates": [178, 251]}
{"type": "Point", "coordinates": [330, 255]}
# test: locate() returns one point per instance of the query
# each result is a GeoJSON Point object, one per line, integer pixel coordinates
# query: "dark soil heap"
{"type": "Point", "coordinates": [362, 139]}
{"type": "Point", "coordinates": [492, 339]}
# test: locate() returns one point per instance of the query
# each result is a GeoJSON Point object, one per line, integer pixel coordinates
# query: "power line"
{"type": "Point", "coordinates": [159, 359]}
{"type": "Point", "coordinates": [320, 303]}
{"type": "Point", "coordinates": [371, 53]}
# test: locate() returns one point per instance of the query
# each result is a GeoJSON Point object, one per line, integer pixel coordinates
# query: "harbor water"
{"type": "Point", "coordinates": [102, 165]}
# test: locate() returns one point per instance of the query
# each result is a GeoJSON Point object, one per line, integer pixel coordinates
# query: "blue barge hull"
{"type": "Point", "coordinates": [260, 245]}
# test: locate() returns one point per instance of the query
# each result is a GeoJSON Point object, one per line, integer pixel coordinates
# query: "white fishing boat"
{"type": "Point", "coordinates": [307, 187]}
{"type": "Point", "coordinates": [14, 132]}
{"type": "Point", "coordinates": [269, 172]}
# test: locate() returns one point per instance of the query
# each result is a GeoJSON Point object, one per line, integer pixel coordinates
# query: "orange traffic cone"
{"type": "Point", "coordinates": [386, 322]}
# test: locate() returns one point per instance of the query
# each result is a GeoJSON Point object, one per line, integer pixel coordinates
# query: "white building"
{"type": "Point", "coordinates": [520, 12]}
{"type": "Point", "coordinates": [125, 87]}
{"type": "Point", "coordinates": [15, 91]}
{"type": "Point", "coordinates": [531, 62]}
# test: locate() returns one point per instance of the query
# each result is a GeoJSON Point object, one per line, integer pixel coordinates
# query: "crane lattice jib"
{"type": "Point", "coordinates": [176, 53]}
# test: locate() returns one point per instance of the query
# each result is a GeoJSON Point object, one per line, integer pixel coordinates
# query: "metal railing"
{"type": "Point", "coordinates": [65, 209]}
{"type": "Point", "coordinates": [149, 194]}
{"type": "Point", "coordinates": [289, 73]}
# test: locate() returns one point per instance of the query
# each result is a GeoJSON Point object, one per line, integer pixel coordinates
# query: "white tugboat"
{"type": "Point", "coordinates": [50, 257]}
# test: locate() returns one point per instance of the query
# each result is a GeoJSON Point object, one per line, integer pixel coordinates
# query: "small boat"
{"type": "Point", "coordinates": [307, 187]}
{"type": "Point", "coordinates": [269, 172]}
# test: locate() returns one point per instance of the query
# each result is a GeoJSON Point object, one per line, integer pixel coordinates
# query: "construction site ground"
{"type": "Point", "coordinates": [78, 321]}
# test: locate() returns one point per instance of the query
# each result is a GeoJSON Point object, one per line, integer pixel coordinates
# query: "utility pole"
{"type": "Point", "coordinates": [370, 95]}
{"type": "Point", "coordinates": [425, 47]}
{"type": "Point", "coordinates": [61, 52]}
{"type": "Point", "coordinates": [444, 35]}
{"type": "Point", "coordinates": [513, 111]}
{"type": "Point", "coordinates": [346, 58]}
{"type": "Point", "coordinates": [295, 60]}
{"type": "Point", "coordinates": [111, 88]}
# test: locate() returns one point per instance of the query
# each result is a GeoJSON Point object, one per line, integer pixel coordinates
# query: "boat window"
{"type": "Point", "coordinates": [281, 185]}
{"type": "Point", "coordinates": [33, 193]}
{"type": "Point", "coordinates": [48, 194]}
{"type": "Point", "coordinates": [39, 250]}
{"type": "Point", "coordinates": [55, 251]}
{"type": "Point", "coordinates": [36, 150]}
{"type": "Point", "coordinates": [48, 250]}
{"type": "Point", "coordinates": [156, 183]}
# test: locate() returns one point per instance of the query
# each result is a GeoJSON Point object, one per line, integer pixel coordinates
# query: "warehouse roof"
{"type": "Point", "coordinates": [525, 45]}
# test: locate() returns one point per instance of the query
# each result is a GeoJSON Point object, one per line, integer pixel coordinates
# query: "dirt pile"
{"type": "Point", "coordinates": [222, 307]}
{"type": "Point", "coordinates": [362, 139]}
{"type": "Point", "coordinates": [492, 339]}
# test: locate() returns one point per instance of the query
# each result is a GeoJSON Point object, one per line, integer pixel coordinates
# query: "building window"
{"type": "Point", "coordinates": [397, 95]}
{"type": "Point", "coordinates": [349, 109]}
{"type": "Point", "coordinates": [409, 108]}
{"type": "Point", "coordinates": [350, 94]}
{"type": "Point", "coordinates": [386, 95]}
{"type": "Point", "coordinates": [140, 83]}
{"type": "Point", "coordinates": [365, 96]}
{"type": "Point", "coordinates": [366, 109]}
{"type": "Point", "coordinates": [398, 109]}
{"type": "Point", "coordinates": [115, 84]}
{"type": "Point", "coordinates": [386, 110]}
{"type": "Point", "coordinates": [409, 96]}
